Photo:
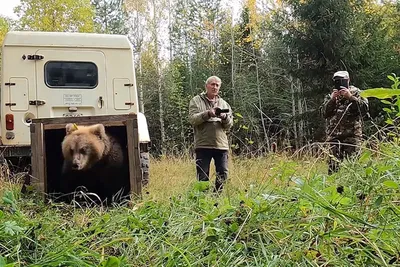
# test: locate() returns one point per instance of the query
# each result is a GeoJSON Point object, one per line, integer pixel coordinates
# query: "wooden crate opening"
{"type": "Point", "coordinates": [47, 161]}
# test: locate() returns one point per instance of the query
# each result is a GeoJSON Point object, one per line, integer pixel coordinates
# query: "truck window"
{"type": "Point", "coordinates": [69, 74]}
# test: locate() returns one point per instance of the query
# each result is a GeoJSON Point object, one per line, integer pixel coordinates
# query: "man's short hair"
{"type": "Point", "coordinates": [211, 78]}
{"type": "Point", "coordinates": [340, 75]}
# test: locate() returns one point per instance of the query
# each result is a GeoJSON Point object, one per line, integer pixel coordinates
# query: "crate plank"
{"type": "Point", "coordinates": [135, 173]}
{"type": "Point", "coordinates": [55, 126]}
{"type": "Point", "coordinates": [38, 159]}
{"type": "Point", "coordinates": [86, 119]}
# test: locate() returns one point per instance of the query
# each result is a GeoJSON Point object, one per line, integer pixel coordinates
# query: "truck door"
{"type": "Point", "coordinates": [122, 94]}
{"type": "Point", "coordinates": [70, 83]}
{"type": "Point", "coordinates": [19, 94]}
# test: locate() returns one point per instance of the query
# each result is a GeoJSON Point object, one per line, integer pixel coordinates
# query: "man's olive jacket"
{"type": "Point", "coordinates": [209, 132]}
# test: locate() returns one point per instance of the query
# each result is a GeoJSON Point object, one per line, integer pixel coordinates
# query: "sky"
{"type": "Point", "coordinates": [7, 8]}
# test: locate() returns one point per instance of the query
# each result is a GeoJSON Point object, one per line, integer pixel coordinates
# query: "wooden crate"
{"type": "Point", "coordinates": [40, 127]}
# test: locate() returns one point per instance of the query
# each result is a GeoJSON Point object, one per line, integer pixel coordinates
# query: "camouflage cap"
{"type": "Point", "coordinates": [340, 75]}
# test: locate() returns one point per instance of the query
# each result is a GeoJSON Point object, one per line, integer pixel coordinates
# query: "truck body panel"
{"type": "Point", "coordinates": [58, 74]}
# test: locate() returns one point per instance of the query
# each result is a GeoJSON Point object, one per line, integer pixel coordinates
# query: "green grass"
{"type": "Point", "coordinates": [274, 211]}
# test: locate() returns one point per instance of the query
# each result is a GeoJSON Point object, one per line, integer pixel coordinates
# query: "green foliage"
{"type": "Point", "coordinates": [390, 97]}
{"type": "Point", "coordinates": [381, 93]}
{"type": "Point", "coordinates": [110, 16]}
{"type": "Point", "coordinates": [4, 28]}
{"type": "Point", "coordinates": [56, 15]}
{"type": "Point", "coordinates": [3, 263]}
{"type": "Point", "coordinates": [377, 41]}
{"type": "Point", "coordinates": [111, 262]}
{"type": "Point", "coordinates": [176, 108]}
{"type": "Point", "coordinates": [276, 65]}
{"type": "Point", "coordinates": [11, 228]}
{"type": "Point", "coordinates": [318, 40]}
{"type": "Point", "coordinates": [276, 61]}
{"type": "Point", "coordinates": [347, 219]}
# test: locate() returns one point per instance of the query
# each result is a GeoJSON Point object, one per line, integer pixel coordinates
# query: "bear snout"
{"type": "Point", "coordinates": [75, 165]}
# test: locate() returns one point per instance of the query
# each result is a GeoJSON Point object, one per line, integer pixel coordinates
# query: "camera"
{"type": "Point", "coordinates": [340, 83]}
{"type": "Point", "coordinates": [219, 111]}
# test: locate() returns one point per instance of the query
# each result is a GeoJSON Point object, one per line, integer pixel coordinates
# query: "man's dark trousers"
{"type": "Point", "coordinates": [203, 160]}
{"type": "Point", "coordinates": [341, 148]}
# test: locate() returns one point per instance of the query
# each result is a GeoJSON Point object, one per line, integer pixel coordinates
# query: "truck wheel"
{"type": "Point", "coordinates": [144, 165]}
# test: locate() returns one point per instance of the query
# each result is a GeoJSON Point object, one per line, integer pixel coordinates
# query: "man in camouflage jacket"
{"type": "Point", "coordinates": [210, 131]}
{"type": "Point", "coordinates": [343, 111]}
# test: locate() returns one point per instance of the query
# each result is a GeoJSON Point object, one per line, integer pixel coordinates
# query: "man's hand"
{"type": "Point", "coordinates": [211, 113]}
{"type": "Point", "coordinates": [334, 94]}
{"type": "Point", "coordinates": [222, 116]}
{"type": "Point", "coordinates": [345, 93]}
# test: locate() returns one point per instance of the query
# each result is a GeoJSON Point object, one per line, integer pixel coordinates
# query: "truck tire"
{"type": "Point", "coordinates": [144, 165]}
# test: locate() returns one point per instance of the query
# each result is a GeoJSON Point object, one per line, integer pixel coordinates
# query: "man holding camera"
{"type": "Point", "coordinates": [343, 111]}
{"type": "Point", "coordinates": [211, 118]}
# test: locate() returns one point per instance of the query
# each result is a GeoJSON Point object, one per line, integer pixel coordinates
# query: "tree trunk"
{"type": "Point", "coordinates": [141, 98]}
{"type": "Point", "coordinates": [161, 111]}
{"type": "Point", "coordinates": [159, 80]}
{"type": "Point", "coordinates": [183, 137]}
{"type": "Point", "coordinates": [293, 91]}
{"type": "Point", "coordinates": [233, 63]}
{"type": "Point", "coordinates": [300, 113]}
{"type": "Point", "coordinates": [300, 106]}
{"type": "Point", "coordinates": [266, 139]}
{"type": "Point", "coordinates": [139, 52]}
{"type": "Point", "coordinates": [169, 28]}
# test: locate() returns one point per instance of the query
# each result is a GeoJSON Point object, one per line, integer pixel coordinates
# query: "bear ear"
{"type": "Point", "coordinates": [70, 127]}
{"type": "Point", "coordinates": [99, 130]}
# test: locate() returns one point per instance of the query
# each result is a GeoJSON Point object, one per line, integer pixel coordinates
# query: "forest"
{"type": "Point", "coordinates": [275, 58]}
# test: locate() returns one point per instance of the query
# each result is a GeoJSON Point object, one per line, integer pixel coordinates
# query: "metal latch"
{"type": "Point", "coordinates": [11, 104]}
{"type": "Point", "coordinates": [128, 84]}
{"type": "Point", "coordinates": [37, 102]}
{"type": "Point", "coordinates": [129, 103]}
{"type": "Point", "coordinates": [33, 57]}
{"type": "Point", "coordinates": [101, 102]}
{"type": "Point", "coordinates": [9, 84]}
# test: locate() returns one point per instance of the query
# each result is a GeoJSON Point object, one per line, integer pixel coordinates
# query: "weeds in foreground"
{"type": "Point", "coordinates": [275, 211]}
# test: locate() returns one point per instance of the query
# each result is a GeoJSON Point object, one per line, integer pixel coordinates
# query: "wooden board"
{"type": "Point", "coordinates": [135, 173]}
{"type": "Point", "coordinates": [38, 160]}
{"type": "Point", "coordinates": [86, 119]}
{"type": "Point", "coordinates": [105, 123]}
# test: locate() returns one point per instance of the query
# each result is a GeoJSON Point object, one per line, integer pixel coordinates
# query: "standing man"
{"type": "Point", "coordinates": [343, 111]}
{"type": "Point", "coordinates": [211, 118]}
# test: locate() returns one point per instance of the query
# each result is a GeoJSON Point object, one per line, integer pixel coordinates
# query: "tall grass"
{"type": "Point", "coordinates": [274, 211]}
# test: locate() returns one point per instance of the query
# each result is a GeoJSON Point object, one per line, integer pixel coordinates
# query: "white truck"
{"type": "Point", "coordinates": [60, 74]}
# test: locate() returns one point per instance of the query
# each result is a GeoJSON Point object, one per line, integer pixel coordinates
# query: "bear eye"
{"type": "Point", "coordinates": [82, 151]}
{"type": "Point", "coordinates": [71, 151]}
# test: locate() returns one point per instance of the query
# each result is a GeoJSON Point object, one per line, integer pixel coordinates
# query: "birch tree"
{"type": "Point", "coordinates": [111, 16]}
{"type": "Point", "coordinates": [56, 15]}
{"type": "Point", "coordinates": [154, 16]}
{"type": "Point", "coordinates": [136, 13]}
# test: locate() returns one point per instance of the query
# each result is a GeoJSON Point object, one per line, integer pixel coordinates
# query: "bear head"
{"type": "Point", "coordinates": [84, 146]}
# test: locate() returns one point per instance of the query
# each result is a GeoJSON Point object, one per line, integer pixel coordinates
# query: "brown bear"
{"type": "Point", "coordinates": [94, 159]}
